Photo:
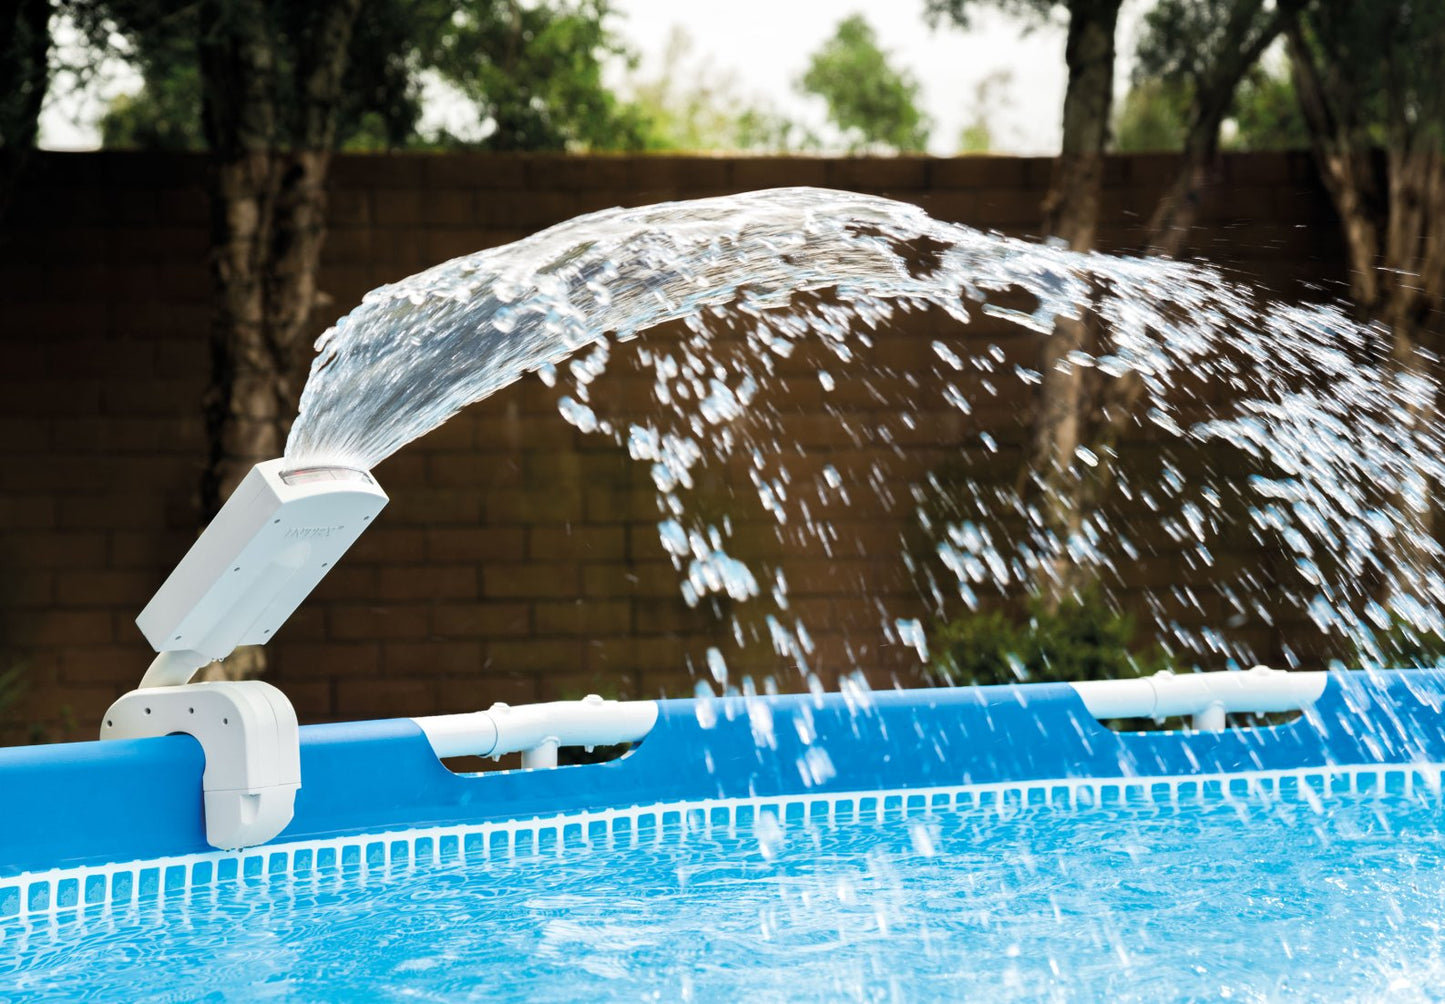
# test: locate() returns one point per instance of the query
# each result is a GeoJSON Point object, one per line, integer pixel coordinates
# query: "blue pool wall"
{"type": "Point", "coordinates": [84, 804]}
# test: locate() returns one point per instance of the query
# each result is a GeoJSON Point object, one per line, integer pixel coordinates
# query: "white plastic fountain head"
{"type": "Point", "coordinates": [268, 547]}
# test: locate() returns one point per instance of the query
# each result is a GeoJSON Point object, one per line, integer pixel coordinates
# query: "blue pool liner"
{"type": "Point", "coordinates": [85, 804]}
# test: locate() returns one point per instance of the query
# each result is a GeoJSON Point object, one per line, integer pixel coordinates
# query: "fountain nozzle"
{"type": "Point", "coordinates": [271, 543]}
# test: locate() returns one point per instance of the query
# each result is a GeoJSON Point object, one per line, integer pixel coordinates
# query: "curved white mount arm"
{"type": "Point", "coordinates": [247, 730]}
{"type": "Point", "coordinates": [268, 547]}
{"type": "Point", "coordinates": [1208, 697]}
{"type": "Point", "coordinates": [538, 730]}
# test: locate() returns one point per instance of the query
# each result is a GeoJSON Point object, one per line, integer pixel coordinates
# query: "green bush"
{"type": "Point", "coordinates": [1083, 639]}
{"type": "Point", "coordinates": [1404, 647]}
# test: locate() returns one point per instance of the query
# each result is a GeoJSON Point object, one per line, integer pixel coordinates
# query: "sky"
{"type": "Point", "coordinates": [765, 45]}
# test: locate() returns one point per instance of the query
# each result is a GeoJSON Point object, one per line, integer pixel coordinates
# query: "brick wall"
{"type": "Point", "coordinates": [519, 559]}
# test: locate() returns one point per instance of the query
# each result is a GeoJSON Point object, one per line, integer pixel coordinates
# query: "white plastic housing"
{"type": "Point", "coordinates": [267, 548]}
{"type": "Point", "coordinates": [542, 728]}
{"type": "Point", "coordinates": [248, 732]}
{"type": "Point", "coordinates": [1207, 696]}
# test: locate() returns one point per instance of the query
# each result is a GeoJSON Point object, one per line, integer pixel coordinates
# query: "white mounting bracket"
{"type": "Point", "coordinates": [248, 732]}
{"type": "Point", "coordinates": [537, 730]}
{"type": "Point", "coordinates": [1208, 697]}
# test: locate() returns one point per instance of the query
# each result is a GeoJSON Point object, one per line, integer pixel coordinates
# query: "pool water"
{"type": "Point", "coordinates": [1252, 897]}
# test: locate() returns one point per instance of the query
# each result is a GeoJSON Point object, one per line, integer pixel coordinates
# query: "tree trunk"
{"type": "Point", "coordinates": [1395, 236]}
{"type": "Point", "coordinates": [1347, 172]}
{"type": "Point", "coordinates": [268, 204]}
{"type": "Point", "coordinates": [24, 78]}
{"type": "Point", "coordinates": [1071, 214]}
{"type": "Point", "coordinates": [1239, 47]}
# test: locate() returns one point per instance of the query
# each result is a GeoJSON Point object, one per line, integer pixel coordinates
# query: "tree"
{"type": "Point", "coordinates": [977, 136]}
{"type": "Point", "coordinates": [24, 77]}
{"type": "Point", "coordinates": [1071, 214]}
{"type": "Point", "coordinates": [1367, 79]}
{"type": "Point", "coordinates": [690, 105]}
{"type": "Point", "coordinates": [534, 73]}
{"type": "Point", "coordinates": [1194, 49]}
{"type": "Point", "coordinates": [1204, 47]}
{"type": "Point", "coordinates": [270, 89]}
{"type": "Point", "coordinates": [1151, 117]}
{"type": "Point", "coordinates": [1266, 113]}
{"type": "Point", "coordinates": [532, 76]}
{"type": "Point", "coordinates": [873, 104]}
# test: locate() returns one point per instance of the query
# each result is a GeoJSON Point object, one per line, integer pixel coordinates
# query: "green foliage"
{"type": "Point", "coordinates": [12, 684]}
{"type": "Point", "coordinates": [875, 105]}
{"type": "Point", "coordinates": [1266, 114]}
{"type": "Point", "coordinates": [534, 75]}
{"type": "Point", "coordinates": [1083, 639]}
{"type": "Point", "coordinates": [529, 75]}
{"type": "Point", "coordinates": [957, 11]}
{"type": "Point", "coordinates": [1401, 646]}
{"type": "Point", "coordinates": [977, 135]}
{"type": "Point", "coordinates": [692, 106]}
{"type": "Point", "coordinates": [1152, 117]}
{"type": "Point", "coordinates": [1197, 64]}
{"type": "Point", "coordinates": [1381, 65]}
{"type": "Point", "coordinates": [164, 115]}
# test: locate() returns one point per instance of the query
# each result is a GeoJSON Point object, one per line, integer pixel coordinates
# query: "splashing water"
{"type": "Point", "coordinates": [755, 278]}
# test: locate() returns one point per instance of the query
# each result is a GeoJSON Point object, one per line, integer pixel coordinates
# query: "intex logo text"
{"type": "Point", "coordinates": [311, 532]}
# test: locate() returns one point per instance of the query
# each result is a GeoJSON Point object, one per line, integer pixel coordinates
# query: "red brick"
{"type": "Point", "coordinates": [378, 171]}
{"type": "Point", "coordinates": [431, 658]}
{"type": "Point", "coordinates": [305, 660]}
{"type": "Point", "coordinates": [379, 622]}
{"type": "Point", "coordinates": [313, 700]}
{"type": "Point", "coordinates": [444, 245]}
{"type": "Point", "coordinates": [535, 579]}
{"type": "Point", "coordinates": [388, 544]}
{"type": "Point", "coordinates": [656, 579]}
{"type": "Point", "coordinates": [751, 173]}
{"type": "Point", "coordinates": [427, 582]}
{"type": "Point", "coordinates": [455, 695]}
{"type": "Point", "coordinates": [483, 171]}
{"type": "Point", "coordinates": [68, 627]}
{"type": "Point", "coordinates": [482, 620]}
{"type": "Point", "coordinates": [473, 471]}
{"type": "Point", "coordinates": [476, 543]}
{"type": "Point", "coordinates": [619, 686]}
{"type": "Point", "coordinates": [534, 655]}
{"type": "Point", "coordinates": [536, 505]}
{"type": "Point", "coordinates": [424, 506]}
{"type": "Point", "coordinates": [589, 618]}
{"type": "Point", "coordinates": [888, 175]}
{"type": "Point", "coordinates": [345, 209]}
{"type": "Point", "coordinates": [116, 665]}
{"type": "Point", "coordinates": [397, 207]}
{"type": "Point", "coordinates": [27, 513]}
{"type": "Point", "coordinates": [988, 172]}
{"type": "Point", "coordinates": [384, 698]}
{"type": "Point", "coordinates": [50, 549]}
{"type": "Point", "coordinates": [106, 588]}
{"type": "Point", "coordinates": [657, 616]}
{"type": "Point", "coordinates": [584, 543]}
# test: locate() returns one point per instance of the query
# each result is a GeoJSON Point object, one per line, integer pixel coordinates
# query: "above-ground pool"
{"type": "Point", "coordinates": [986, 843]}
